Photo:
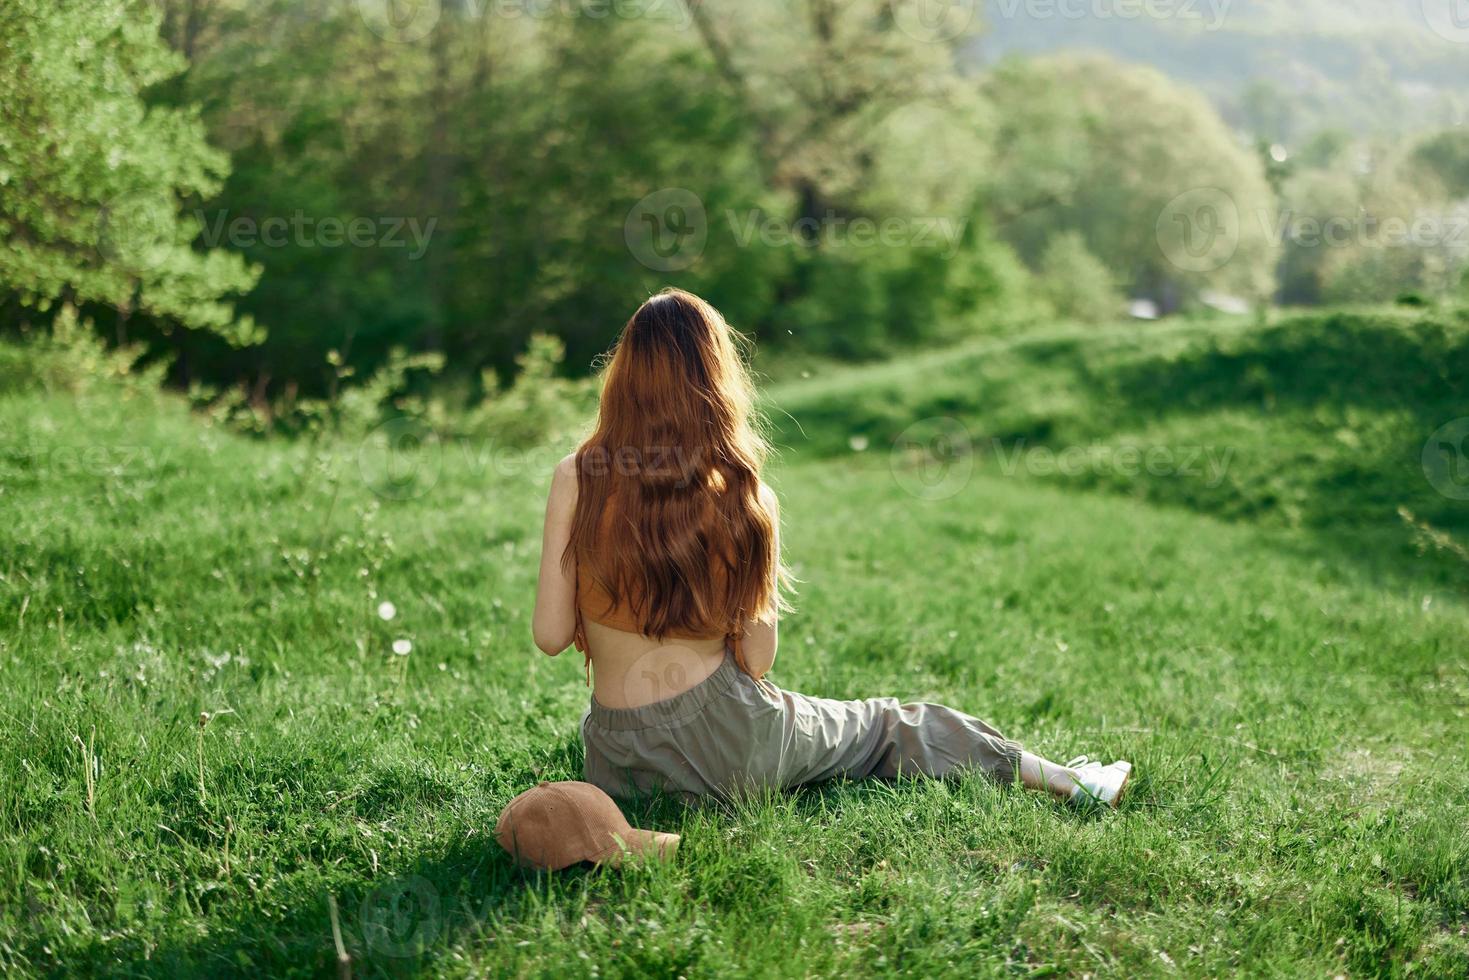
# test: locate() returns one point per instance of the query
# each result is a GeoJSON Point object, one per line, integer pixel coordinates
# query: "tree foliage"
{"type": "Point", "coordinates": [92, 178]}
{"type": "Point", "coordinates": [525, 148]}
{"type": "Point", "coordinates": [1371, 226]}
{"type": "Point", "coordinates": [1140, 167]}
{"type": "Point", "coordinates": [374, 181]}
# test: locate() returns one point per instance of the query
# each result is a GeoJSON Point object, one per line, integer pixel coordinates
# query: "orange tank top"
{"type": "Point", "coordinates": [595, 604]}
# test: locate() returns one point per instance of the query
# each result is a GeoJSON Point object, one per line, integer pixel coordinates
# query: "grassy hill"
{"type": "Point", "coordinates": [1291, 706]}
{"type": "Point", "coordinates": [1315, 424]}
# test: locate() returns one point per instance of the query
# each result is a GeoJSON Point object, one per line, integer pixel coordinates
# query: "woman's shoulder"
{"type": "Point", "coordinates": [563, 479]}
{"type": "Point", "coordinates": [768, 497]}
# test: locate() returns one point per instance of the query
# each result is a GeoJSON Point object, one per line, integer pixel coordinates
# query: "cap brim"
{"type": "Point", "coordinates": [639, 845]}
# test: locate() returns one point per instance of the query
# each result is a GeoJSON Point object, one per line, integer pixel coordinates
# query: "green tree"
{"type": "Point", "coordinates": [859, 114]}
{"type": "Point", "coordinates": [322, 119]}
{"type": "Point", "coordinates": [92, 180]}
{"type": "Point", "coordinates": [515, 145]}
{"type": "Point", "coordinates": [1318, 209]}
{"type": "Point", "coordinates": [1445, 156]}
{"type": "Point", "coordinates": [1143, 168]}
{"type": "Point", "coordinates": [1372, 225]}
{"type": "Point", "coordinates": [533, 146]}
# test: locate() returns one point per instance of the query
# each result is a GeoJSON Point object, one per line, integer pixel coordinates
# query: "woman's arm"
{"type": "Point", "coordinates": [762, 637]}
{"type": "Point", "coordinates": [554, 623]}
{"type": "Point", "coordinates": [759, 644]}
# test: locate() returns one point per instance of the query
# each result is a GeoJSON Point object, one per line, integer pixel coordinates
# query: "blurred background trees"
{"type": "Point", "coordinates": [1095, 147]}
{"type": "Point", "coordinates": [277, 195]}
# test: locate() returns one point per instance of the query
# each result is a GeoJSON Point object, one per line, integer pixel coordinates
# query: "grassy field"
{"type": "Point", "coordinates": [1271, 645]}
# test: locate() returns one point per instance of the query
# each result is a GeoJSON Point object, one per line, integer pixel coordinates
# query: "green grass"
{"type": "Point", "coordinates": [1296, 711]}
{"type": "Point", "coordinates": [1317, 422]}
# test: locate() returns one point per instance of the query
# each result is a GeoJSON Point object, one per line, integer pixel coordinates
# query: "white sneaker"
{"type": "Point", "coordinates": [1099, 784]}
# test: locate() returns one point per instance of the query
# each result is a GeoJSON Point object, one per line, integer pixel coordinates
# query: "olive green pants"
{"type": "Point", "coordinates": [730, 735]}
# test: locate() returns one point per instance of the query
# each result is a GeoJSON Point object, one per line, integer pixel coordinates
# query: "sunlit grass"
{"type": "Point", "coordinates": [238, 683]}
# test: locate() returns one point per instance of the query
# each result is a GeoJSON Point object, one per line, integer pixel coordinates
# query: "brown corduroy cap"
{"type": "Point", "coordinates": [555, 825]}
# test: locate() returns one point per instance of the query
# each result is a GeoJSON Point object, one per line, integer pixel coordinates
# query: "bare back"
{"type": "Point", "coordinates": [630, 669]}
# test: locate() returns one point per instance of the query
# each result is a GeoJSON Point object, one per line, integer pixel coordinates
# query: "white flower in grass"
{"type": "Point", "coordinates": [386, 611]}
{"type": "Point", "coordinates": [402, 647]}
{"type": "Point", "coordinates": [858, 443]}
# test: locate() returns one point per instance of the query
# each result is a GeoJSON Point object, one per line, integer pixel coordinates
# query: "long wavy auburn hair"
{"type": "Point", "coordinates": [670, 519]}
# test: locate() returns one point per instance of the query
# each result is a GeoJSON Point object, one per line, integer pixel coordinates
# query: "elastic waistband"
{"type": "Point", "coordinates": [669, 711]}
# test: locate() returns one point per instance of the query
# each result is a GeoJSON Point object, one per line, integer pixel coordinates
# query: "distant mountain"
{"type": "Point", "coordinates": [1282, 69]}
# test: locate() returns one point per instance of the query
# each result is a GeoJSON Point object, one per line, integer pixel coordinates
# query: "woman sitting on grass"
{"type": "Point", "coordinates": [661, 563]}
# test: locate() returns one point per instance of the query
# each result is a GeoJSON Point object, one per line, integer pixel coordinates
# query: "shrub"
{"type": "Point", "coordinates": [71, 358]}
{"type": "Point", "coordinates": [538, 406]}
{"type": "Point", "coordinates": [1077, 283]}
{"type": "Point", "coordinates": [352, 409]}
